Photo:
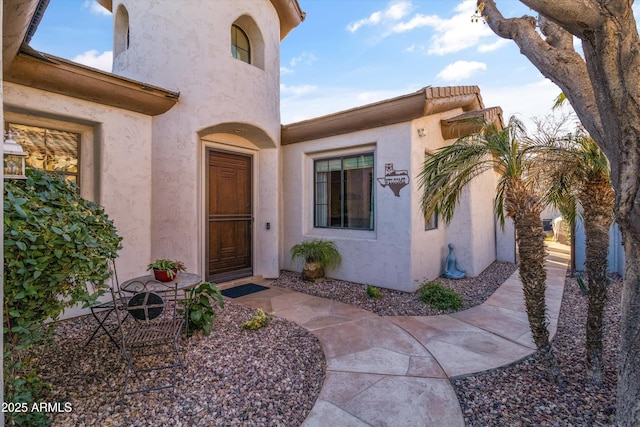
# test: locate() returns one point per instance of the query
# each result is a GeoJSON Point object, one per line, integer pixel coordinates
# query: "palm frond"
{"type": "Point", "coordinates": [559, 101]}
{"type": "Point", "coordinates": [447, 172]}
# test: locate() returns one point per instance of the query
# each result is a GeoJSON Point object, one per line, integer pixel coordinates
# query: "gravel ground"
{"type": "Point", "coordinates": [268, 377]}
{"type": "Point", "coordinates": [522, 395]}
{"type": "Point", "coordinates": [473, 291]}
{"type": "Point", "coordinates": [273, 376]}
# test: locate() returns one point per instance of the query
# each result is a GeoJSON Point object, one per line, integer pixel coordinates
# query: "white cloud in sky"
{"type": "Point", "coordinates": [394, 12]}
{"type": "Point", "coordinates": [449, 34]}
{"type": "Point", "coordinates": [296, 90]}
{"type": "Point", "coordinates": [483, 48]}
{"type": "Point", "coordinates": [331, 100]}
{"type": "Point", "coordinates": [285, 70]}
{"type": "Point", "coordinates": [453, 34]}
{"type": "Point", "coordinates": [92, 58]}
{"type": "Point", "coordinates": [305, 58]}
{"type": "Point", "coordinates": [95, 8]}
{"type": "Point", "coordinates": [461, 70]}
{"type": "Point", "coordinates": [524, 100]}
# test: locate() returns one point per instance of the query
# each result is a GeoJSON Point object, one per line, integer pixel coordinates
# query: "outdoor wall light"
{"type": "Point", "coordinates": [14, 157]}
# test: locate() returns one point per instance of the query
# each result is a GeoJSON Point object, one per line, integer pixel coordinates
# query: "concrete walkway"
{"type": "Point", "coordinates": [394, 371]}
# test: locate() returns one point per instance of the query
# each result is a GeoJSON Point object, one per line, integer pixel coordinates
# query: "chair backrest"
{"type": "Point", "coordinates": [147, 299]}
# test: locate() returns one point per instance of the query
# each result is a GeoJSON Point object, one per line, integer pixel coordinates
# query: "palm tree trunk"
{"type": "Point", "coordinates": [531, 250]}
{"type": "Point", "coordinates": [597, 200]}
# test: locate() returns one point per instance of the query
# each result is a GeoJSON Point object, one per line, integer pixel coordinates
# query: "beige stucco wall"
{"type": "Point", "coordinates": [380, 257]}
{"type": "Point", "coordinates": [117, 173]}
{"type": "Point", "coordinates": [472, 228]}
{"type": "Point", "coordinates": [218, 95]}
{"type": "Point", "coordinates": [399, 253]}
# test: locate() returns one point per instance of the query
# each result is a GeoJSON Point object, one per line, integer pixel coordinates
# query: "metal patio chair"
{"type": "Point", "coordinates": [102, 310]}
{"type": "Point", "coordinates": [150, 340]}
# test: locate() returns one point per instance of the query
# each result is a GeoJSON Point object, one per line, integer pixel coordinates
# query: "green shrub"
{"type": "Point", "coordinates": [373, 292]}
{"type": "Point", "coordinates": [321, 251]}
{"type": "Point", "coordinates": [54, 243]}
{"type": "Point", "coordinates": [440, 297]}
{"type": "Point", "coordinates": [259, 320]}
{"type": "Point", "coordinates": [200, 312]}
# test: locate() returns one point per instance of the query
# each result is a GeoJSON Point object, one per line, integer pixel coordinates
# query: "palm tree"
{"type": "Point", "coordinates": [577, 171]}
{"type": "Point", "coordinates": [447, 172]}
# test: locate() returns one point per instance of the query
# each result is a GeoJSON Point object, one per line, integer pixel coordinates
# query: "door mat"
{"type": "Point", "coordinates": [242, 290]}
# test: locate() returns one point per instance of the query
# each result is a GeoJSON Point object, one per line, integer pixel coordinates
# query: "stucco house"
{"type": "Point", "coordinates": [183, 146]}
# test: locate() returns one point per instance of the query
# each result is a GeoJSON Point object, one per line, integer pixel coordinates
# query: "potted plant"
{"type": "Point", "coordinates": [318, 256]}
{"type": "Point", "coordinates": [165, 270]}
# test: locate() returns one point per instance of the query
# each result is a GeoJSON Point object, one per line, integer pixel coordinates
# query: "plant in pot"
{"type": "Point", "coordinates": [318, 255]}
{"type": "Point", "coordinates": [165, 270]}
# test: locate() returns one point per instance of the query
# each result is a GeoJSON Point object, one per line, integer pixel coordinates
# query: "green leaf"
{"type": "Point", "coordinates": [196, 315]}
{"type": "Point", "coordinates": [19, 211]}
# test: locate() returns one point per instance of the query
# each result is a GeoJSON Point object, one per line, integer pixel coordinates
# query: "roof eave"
{"type": "Point", "coordinates": [57, 75]}
{"type": "Point", "coordinates": [470, 122]}
{"type": "Point", "coordinates": [290, 14]}
{"type": "Point", "coordinates": [426, 101]}
{"type": "Point", "coordinates": [17, 20]}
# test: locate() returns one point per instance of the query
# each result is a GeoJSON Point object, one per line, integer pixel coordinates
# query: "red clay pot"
{"type": "Point", "coordinates": [163, 276]}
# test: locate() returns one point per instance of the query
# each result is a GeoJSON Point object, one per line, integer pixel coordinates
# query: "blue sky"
{"type": "Point", "coordinates": [349, 53]}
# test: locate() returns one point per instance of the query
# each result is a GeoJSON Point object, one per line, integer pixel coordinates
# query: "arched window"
{"type": "Point", "coordinates": [121, 31]}
{"type": "Point", "coordinates": [240, 47]}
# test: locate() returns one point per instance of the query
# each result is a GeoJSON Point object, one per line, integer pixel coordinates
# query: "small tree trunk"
{"type": "Point", "coordinates": [597, 201]}
{"type": "Point", "coordinates": [531, 250]}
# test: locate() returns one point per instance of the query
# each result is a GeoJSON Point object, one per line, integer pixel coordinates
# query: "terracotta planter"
{"type": "Point", "coordinates": [312, 271]}
{"type": "Point", "coordinates": [163, 276]}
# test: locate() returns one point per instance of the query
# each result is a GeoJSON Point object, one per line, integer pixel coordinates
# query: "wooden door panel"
{"type": "Point", "coordinates": [230, 215]}
{"type": "Point", "coordinates": [229, 246]}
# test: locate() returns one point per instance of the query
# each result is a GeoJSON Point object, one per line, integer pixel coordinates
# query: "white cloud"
{"type": "Point", "coordinates": [331, 100]}
{"type": "Point", "coordinates": [493, 46]}
{"type": "Point", "coordinates": [304, 58]}
{"type": "Point", "coordinates": [461, 70]}
{"type": "Point", "coordinates": [394, 12]}
{"type": "Point", "coordinates": [95, 8]}
{"type": "Point", "coordinates": [528, 100]}
{"type": "Point", "coordinates": [296, 90]}
{"type": "Point", "coordinates": [92, 58]}
{"type": "Point", "coordinates": [285, 70]}
{"type": "Point", "coordinates": [458, 32]}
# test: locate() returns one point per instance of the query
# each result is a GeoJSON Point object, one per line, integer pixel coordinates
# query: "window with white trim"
{"type": "Point", "coordinates": [344, 192]}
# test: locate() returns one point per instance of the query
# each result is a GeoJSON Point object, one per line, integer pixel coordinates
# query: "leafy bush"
{"type": "Point", "coordinates": [200, 312]}
{"type": "Point", "coordinates": [373, 292]}
{"type": "Point", "coordinates": [259, 320]}
{"type": "Point", "coordinates": [440, 297]}
{"type": "Point", "coordinates": [54, 243]}
{"type": "Point", "coordinates": [321, 251]}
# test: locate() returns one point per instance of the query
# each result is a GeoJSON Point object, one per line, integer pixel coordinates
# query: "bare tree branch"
{"type": "Point", "coordinates": [556, 60]}
{"type": "Point", "coordinates": [557, 37]}
{"type": "Point", "coordinates": [576, 16]}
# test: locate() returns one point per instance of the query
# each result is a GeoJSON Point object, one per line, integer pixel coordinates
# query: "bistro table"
{"type": "Point", "coordinates": [183, 282]}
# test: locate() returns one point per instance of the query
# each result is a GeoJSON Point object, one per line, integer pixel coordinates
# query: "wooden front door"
{"type": "Point", "coordinates": [230, 216]}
